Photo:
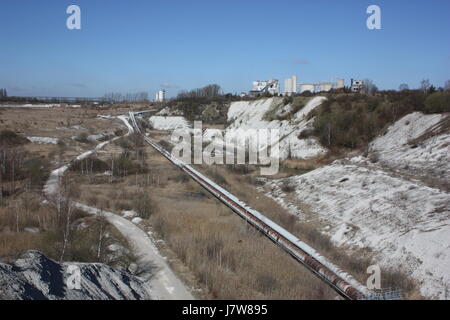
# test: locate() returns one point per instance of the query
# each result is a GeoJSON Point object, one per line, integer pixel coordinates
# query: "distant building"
{"type": "Point", "coordinates": [290, 86]}
{"type": "Point", "coordinates": [271, 86]}
{"type": "Point", "coordinates": [340, 83]}
{"type": "Point", "coordinates": [322, 86]}
{"type": "Point", "coordinates": [160, 96]}
{"type": "Point", "coordinates": [356, 85]}
{"type": "Point", "coordinates": [311, 87]}
{"type": "Point", "coordinates": [325, 86]}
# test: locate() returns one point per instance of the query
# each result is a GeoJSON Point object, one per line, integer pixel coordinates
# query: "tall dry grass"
{"type": "Point", "coordinates": [231, 259]}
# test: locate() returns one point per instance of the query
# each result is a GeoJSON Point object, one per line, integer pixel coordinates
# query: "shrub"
{"type": "Point", "coordinates": [353, 120]}
{"type": "Point", "coordinates": [166, 145]}
{"type": "Point", "coordinates": [217, 177]}
{"type": "Point", "coordinates": [82, 137]}
{"type": "Point", "coordinates": [124, 165]}
{"type": "Point", "coordinates": [182, 178]}
{"type": "Point", "coordinates": [122, 205]}
{"type": "Point", "coordinates": [90, 164]}
{"type": "Point", "coordinates": [11, 139]}
{"type": "Point", "coordinates": [287, 100]}
{"type": "Point", "coordinates": [37, 169]}
{"type": "Point", "coordinates": [241, 168]}
{"type": "Point", "coordinates": [306, 134]}
{"type": "Point", "coordinates": [438, 102]}
{"type": "Point", "coordinates": [288, 188]}
{"type": "Point", "coordinates": [144, 205]}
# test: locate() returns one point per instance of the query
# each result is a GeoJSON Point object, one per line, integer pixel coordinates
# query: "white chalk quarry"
{"type": "Point", "coordinates": [251, 115]}
{"type": "Point", "coordinates": [404, 221]}
{"type": "Point", "coordinates": [168, 123]}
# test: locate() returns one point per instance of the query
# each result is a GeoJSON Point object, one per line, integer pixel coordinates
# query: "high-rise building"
{"type": "Point", "coordinates": [160, 96]}
{"type": "Point", "coordinates": [290, 86]}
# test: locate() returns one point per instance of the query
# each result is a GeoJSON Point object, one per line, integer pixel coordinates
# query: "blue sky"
{"type": "Point", "coordinates": [143, 45]}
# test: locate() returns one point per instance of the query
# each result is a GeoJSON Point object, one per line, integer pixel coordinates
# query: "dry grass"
{"type": "Point", "coordinates": [23, 209]}
{"type": "Point", "coordinates": [229, 259]}
{"type": "Point", "coordinates": [26, 211]}
{"type": "Point", "coordinates": [354, 262]}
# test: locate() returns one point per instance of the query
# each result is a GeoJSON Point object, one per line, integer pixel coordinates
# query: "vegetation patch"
{"type": "Point", "coordinates": [353, 120]}
{"type": "Point", "coordinates": [9, 138]}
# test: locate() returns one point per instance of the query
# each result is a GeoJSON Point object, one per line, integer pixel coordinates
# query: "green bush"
{"type": "Point", "coordinates": [345, 127]}
{"type": "Point", "coordinates": [353, 120]}
{"type": "Point", "coordinates": [438, 102]}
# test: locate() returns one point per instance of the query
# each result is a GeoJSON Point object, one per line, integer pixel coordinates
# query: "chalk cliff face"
{"type": "Point", "coordinates": [268, 114]}
{"type": "Point", "coordinates": [33, 276]}
{"type": "Point", "coordinates": [395, 200]}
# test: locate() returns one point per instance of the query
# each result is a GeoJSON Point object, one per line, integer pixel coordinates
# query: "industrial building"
{"type": "Point", "coordinates": [322, 86]}
{"type": "Point", "coordinates": [311, 87]}
{"type": "Point", "coordinates": [340, 83]}
{"type": "Point", "coordinates": [356, 85]}
{"type": "Point", "coordinates": [160, 96]}
{"type": "Point", "coordinates": [290, 86]}
{"type": "Point", "coordinates": [271, 86]}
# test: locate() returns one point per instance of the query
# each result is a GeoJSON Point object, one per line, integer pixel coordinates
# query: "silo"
{"type": "Point", "coordinates": [326, 86]}
{"type": "Point", "coordinates": [287, 86]}
{"type": "Point", "coordinates": [340, 83]}
{"type": "Point", "coordinates": [294, 84]}
{"type": "Point", "coordinates": [162, 94]}
{"type": "Point", "coordinates": [307, 87]}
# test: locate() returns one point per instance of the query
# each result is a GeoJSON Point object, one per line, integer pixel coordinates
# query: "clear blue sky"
{"type": "Point", "coordinates": [140, 45]}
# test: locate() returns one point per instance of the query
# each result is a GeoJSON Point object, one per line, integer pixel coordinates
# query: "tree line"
{"type": "Point", "coordinates": [115, 97]}
{"type": "Point", "coordinates": [209, 91]}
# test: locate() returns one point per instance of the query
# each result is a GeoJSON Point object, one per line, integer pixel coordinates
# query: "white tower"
{"type": "Point", "coordinates": [290, 86]}
{"type": "Point", "coordinates": [160, 96]}
{"type": "Point", "coordinates": [294, 84]}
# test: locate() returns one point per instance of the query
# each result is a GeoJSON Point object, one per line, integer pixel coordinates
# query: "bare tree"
{"type": "Point", "coordinates": [102, 221]}
{"type": "Point", "coordinates": [425, 85]}
{"type": "Point", "coordinates": [403, 87]}
{"type": "Point", "coordinates": [127, 97]}
{"type": "Point", "coordinates": [209, 91]}
{"type": "Point", "coordinates": [64, 210]}
{"type": "Point", "coordinates": [66, 231]}
{"type": "Point", "coordinates": [447, 85]}
{"type": "Point", "coordinates": [369, 86]}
